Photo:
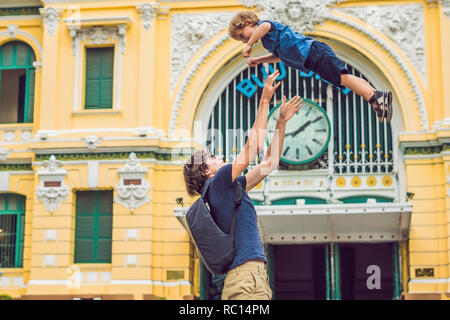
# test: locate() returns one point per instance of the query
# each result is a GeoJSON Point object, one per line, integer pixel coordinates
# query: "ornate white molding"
{"type": "Point", "coordinates": [52, 189]}
{"type": "Point", "coordinates": [446, 7]}
{"type": "Point", "coordinates": [4, 153]}
{"type": "Point", "coordinates": [92, 141]}
{"type": "Point", "coordinates": [412, 81]}
{"type": "Point", "coordinates": [189, 33]}
{"type": "Point", "coordinates": [132, 189]}
{"type": "Point", "coordinates": [12, 30]}
{"type": "Point", "coordinates": [147, 13]}
{"type": "Point", "coordinates": [187, 80]}
{"type": "Point", "coordinates": [98, 35]}
{"type": "Point", "coordinates": [403, 24]}
{"type": "Point", "coordinates": [448, 189]}
{"type": "Point", "coordinates": [301, 15]}
{"type": "Point", "coordinates": [51, 18]}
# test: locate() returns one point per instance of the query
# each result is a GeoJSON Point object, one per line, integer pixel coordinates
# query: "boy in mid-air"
{"type": "Point", "coordinates": [303, 53]}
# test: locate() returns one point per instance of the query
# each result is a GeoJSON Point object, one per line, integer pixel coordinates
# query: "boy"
{"type": "Point", "coordinates": [303, 53]}
{"type": "Point", "coordinates": [247, 275]}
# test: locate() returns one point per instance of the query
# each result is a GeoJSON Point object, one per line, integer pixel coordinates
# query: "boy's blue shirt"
{"type": "Point", "coordinates": [288, 45]}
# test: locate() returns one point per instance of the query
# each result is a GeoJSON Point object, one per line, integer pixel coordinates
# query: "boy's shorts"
{"type": "Point", "coordinates": [323, 61]}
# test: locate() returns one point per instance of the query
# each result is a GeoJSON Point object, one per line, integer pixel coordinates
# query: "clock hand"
{"type": "Point", "coordinates": [303, 127]}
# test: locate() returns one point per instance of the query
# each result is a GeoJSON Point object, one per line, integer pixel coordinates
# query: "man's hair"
{"type": "Point", "coordinates": [240, 20]}
{"type": "Point", "coordinates": [194, 172]}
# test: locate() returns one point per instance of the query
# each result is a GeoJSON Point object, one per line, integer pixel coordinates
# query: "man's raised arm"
{"type": "Point", "coordinates": [255, 140]}
{"type": "Point", "coordinates": [272, 156]}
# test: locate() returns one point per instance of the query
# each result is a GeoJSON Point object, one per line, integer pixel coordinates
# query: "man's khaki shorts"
{"type": "Point", "coordinates": [248, 281]}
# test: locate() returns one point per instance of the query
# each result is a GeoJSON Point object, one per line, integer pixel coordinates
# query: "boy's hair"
{"type": "Point", "coordinates": [240, 20]}
{"type": "Point", "coordinates": [194, 172]}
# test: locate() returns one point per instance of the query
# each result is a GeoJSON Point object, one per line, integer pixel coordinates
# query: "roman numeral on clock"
{"type": "Point", "coordinates": [321, 130]}
{"type": "Point", "coordinates": [309, 150]}
{"type": "Point", "coordinates": [316, 141]}
{"type": "Point", "coordinates": [286, 151]}
{"type": "Point", "coordinates": [297, 153]}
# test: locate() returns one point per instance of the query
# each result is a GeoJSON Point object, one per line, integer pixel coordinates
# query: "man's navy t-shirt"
{"type": "Point", "coordinates": [247, 241]}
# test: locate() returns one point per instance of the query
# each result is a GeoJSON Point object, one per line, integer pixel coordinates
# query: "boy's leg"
{"type": "Point", "coordinates": [365, 90]}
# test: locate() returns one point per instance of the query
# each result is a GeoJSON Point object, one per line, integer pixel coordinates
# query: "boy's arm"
{"type": "Point", "coordinates": [270, 58]}
{"type": "Point", "coordinates": [272, 156]}
{"type": "Point", "coordinates": [255, 140]}
{"type": "Point", "coordinates": [260, 32]}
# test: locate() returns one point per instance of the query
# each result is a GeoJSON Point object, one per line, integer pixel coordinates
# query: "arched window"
{"type": "Point", "coordinates": [359, 142]}
{"type": "Point", "coordinates": [12, 222]}
{"type": "Point", "coordinates": [16, 82]}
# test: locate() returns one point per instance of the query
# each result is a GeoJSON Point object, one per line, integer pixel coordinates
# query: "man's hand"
{"type": "Point", "coordinates": [269, 88]}
{"type": "Point", "coordinates": [253, 62]}
{"type": "Point", "coordinates": [247, 50]}
{"type": "Point", "coordinates": [287, 110]}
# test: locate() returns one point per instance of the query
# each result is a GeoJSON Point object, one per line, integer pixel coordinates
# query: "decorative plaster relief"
{"type": "Point", "coordinates": [403, 24]}
{"type": "Point", "coordinates": [189, 33]}
{"type": "Point", "coordinates": [52, 189]}
{"type": "Point", "coordinates": [51, 18]}
{"type": "Point", "coordinates": [147, 13]}
{"type": "Point", "coordinates": [446, 7]}
{"type": "Point", "coordinates": [92, 141]}
{"type": "Point", "coordinates": [12, 30]}
{"type": "Point", "coordinates": [300, 15]}
{"type": "Point", "coordinates": [98, 35]}
{"type": "Point", "coordinates": [4, 153]}
{"type": "Point", "coordinates": [132, 188]}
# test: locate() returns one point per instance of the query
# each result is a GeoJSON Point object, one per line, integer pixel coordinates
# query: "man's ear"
{"type": "Point", "coordinates": [207, 173]}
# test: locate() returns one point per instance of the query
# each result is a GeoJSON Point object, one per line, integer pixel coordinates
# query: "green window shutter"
{"type": "Point", "coordinates": [8, 54]}
{"type": "Point", "coordinates": [99, 78]}
{"type": "Point", "coordinates": [30, 95]}
{"type": "Point", "coordinates": [16, 55]}
{"type": "Point", "coordinates": [93, 228]}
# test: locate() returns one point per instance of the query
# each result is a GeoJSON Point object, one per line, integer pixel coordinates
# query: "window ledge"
{"type": "Point", "coordinates": [94, 265]}
{"type": "Point", "coordinates": [96, 112]}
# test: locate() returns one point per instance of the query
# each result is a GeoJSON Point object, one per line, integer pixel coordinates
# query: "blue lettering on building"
{"type": "Point", "coordinates": [248, 88]}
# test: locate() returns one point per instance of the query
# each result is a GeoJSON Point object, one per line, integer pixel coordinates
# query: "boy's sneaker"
{"type": "Point", "coordinates": [387, 106]}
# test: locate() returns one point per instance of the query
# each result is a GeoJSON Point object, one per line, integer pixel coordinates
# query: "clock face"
{"type": "Point", "coordinates": [307, 133]}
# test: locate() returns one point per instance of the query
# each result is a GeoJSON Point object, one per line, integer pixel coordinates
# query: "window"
{"type": "Point", "coordinates": [16, 82]}
{"type": "Point", "coordinates": [93, 227]}
{"type": "Point", "coordinates": [99, 78]}
{"type": "Point", "coordinates": [12, 222]}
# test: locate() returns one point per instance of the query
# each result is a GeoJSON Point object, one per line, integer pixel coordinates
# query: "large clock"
{"type": "Point", "coordinates": [307, 134]}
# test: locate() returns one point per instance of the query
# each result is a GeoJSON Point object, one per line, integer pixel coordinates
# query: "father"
{"type": "Point", "coordinates": [247, 275]}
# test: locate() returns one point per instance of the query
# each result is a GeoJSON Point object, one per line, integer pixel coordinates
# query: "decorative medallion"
{"type": "Point", "coordinates": [356, 181]}
{"type": "Point", "coordinates": [52, 189]}
{"type": "Point", "coordinates": [132, 188]}
{"type": "Point", "coordinates": [387, 181]}
{"type": "Point", "coordinates": [341, 182]}
{"type": "Point", "coordinates": [371, 181]}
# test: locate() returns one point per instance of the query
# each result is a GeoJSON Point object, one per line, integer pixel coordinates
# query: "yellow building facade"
{"type": "Point", "coordinates": [102, 101]}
